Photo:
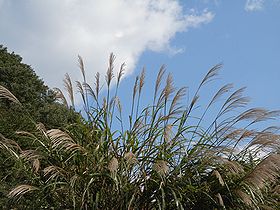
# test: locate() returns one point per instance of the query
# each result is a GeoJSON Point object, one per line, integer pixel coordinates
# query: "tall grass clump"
{"type": "Point", "coordinates": [167, 155]}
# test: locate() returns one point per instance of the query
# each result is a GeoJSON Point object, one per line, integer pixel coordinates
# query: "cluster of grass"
{"type": "Point", "coordinates": [161, 159]}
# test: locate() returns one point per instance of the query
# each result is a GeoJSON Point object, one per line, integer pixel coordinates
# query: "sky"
{"type": "Point", "coordinates": [187, 36]}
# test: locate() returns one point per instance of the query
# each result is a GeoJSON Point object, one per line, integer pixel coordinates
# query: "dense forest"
{"type": "Point", "coordinates": [54, 156]}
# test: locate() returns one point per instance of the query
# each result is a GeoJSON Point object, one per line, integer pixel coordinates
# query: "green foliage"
{"type": "Point", "coordinates": [165, 158]}
{"type": "Point", "coordinates": [37, 99]}
{"type": "Point", "coordinates": [37, 104]}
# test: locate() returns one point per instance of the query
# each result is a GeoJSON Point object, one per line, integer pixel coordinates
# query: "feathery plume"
{"type": "Point", "coordinates": [130, 158]}
{"type": "Point", "coordinates": [167, 133]}
{"type": "Point", "coordinates": [30, 154]}
{"type": "Point", "coordinates": [21, 190]}
{"type": "Point", "coordinates": [247, 199]}
{"type": "Point", "coordinates": [178, 96]}
{"type": "Point", "coordinates": [25, 133]}
{"type": "Point", "coordinates": [159, 79]}
{"type": "Point", "coordinates": [9, 145]}
{"type": "Point", "coordinates": [88, 88]}
{"type": "Point", "coordinates": [53, 172]}
{"type": "Point", "coordinates": [97, 84]}
{"type": "Point", "coordinates": [121, 73]}
{"type": "Point", "coordinates": [109, 75]}
{"type": "Point", "coordinates": [36, 165]}
{"type": "Point", "coordinates": [141, 80]}
{"type": "Point", "coordinates": [82, 67]}
{"type": "Point", "coordinates": [235, 100]}
{"type": "Point", "coordinates": [81, 90]}
{"type": "Point", "coordinates": [193, 102]}
{"type": "Point", "coordinates": [113, 165]}
{"type": "Point", "coordinates": [211, 74]}
{"type": "Point", "coordinates": [266, 140]}
{"type": "Point", "coordinates": [219, 177]}
{"type": "Point", "coordinates": [69, 88]}
{"type": "Point", "coordinates": [266, 170]}
{"type": "Point", "coordinates": [60, 96]}
{"type": "Point", "coordinates": [61, 140]}
{"type": "Point", "coordinates": [119, 105]}
{"type": "Point", "coordinates": [226, 88]}
{"type": "Point", "coordinates": [252, 114]}
{"type": "Point", "coordinates": [234, 167]}
{"type": "Point", "coordinates": [135, 87]}
{"type": "Point", "coordinates": [220, 199]}
{"type": "Point", "coordinates": [168, 87]}
{"type": "Point", "coordinates": [161, 167]}
{"type": "Point", "coordinates": [5, 93]}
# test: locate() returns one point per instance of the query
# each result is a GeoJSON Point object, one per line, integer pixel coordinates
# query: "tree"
{"type": "Point", "coordinates": [37, 99]}
{"type": "Point", "coordinates": [37, 105]}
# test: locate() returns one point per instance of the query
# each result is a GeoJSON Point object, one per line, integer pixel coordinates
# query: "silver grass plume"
{"type": "Point", "coordinates": [21, 190]}
{"type": "Point", "coordinates": [161, 167]}
{"type": "Point", "coordinates": [5, 93]}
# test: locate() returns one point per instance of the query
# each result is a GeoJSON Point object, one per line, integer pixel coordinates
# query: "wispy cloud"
{"type": "Point", "coordinates": [50, 34]}
{"type": "Point", "coordinates": [254, 5]}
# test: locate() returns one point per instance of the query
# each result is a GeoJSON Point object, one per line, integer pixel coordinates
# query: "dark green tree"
{"type": "Point", "coordinates": [37, 99]}
{"type": "Point", "coordinates": [38, 105]}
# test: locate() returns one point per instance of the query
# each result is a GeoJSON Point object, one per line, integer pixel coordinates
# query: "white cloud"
{"type": "Point", "coordinates": [254, 5]}
{"type": "Point", "coordinates": [50, 34]}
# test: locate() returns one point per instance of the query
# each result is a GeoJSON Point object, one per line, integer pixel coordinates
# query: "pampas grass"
{"type": "Point", "coordinates": [161, 159]}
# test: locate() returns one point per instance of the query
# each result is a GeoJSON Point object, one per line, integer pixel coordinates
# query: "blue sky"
{"type": "Point", "coordinates": [246, 42]}
{"type": "Point", "coordinates": [187, 36]}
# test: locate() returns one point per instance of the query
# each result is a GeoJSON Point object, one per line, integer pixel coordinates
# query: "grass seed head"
{"type": "Point", "coordinates": [161, 167]}
{"type": "Point", "coordinates": [113, 165]}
